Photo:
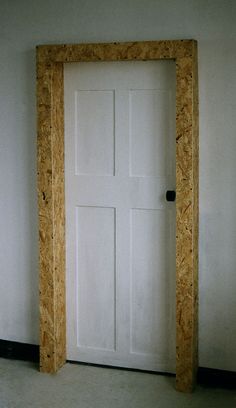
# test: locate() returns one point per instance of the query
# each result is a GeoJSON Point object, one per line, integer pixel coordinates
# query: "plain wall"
{"type": "Point", "coordinates": [27, 23]}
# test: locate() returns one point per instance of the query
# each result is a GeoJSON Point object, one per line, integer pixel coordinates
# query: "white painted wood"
{"type": "Point", "coordinates": [120, 231]}
{"type": "Point", "coordinates": [149, 268]}
{"type": "Point", "coordinates": [148, 129]}
{"type": "Point", "coordinates": [94, 154]}
{"type": "Point", "coordinates": [95, 280]}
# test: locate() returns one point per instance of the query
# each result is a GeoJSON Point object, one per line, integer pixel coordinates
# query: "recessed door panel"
{"type": "Point", "coordinates": [149, 131]}
{"type": "Point", "coordinates": [94, 132]}
{"type": "Point", "coordinates": [149, 271]}
{"type": "Point", "coordinates": [95, 283]}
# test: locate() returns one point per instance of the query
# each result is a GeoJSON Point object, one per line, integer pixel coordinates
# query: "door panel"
{"type": "Point", "coordinates": [94, 127]}
{"type": "Point", "coordinates": [95, 229]}
{"type": "Point", "coordinates": [120, 231]}
{"type": "Point", "coordinates": [149, 229]}
{"type": "Point", "coordinates": [148, 129]}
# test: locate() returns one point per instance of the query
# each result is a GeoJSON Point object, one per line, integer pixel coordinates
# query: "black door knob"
{"type": "Point", "coordinates": [170, 195]}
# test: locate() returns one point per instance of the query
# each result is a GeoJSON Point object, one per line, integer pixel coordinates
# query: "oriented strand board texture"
{"type": "Point", "coordinates": [146, 50]}
{"type": "Point", "coordinates": [186, 222]}
{"type": "Point", "coordinates": [50, 60]}
{"type": "Point", "coordinates": [195, 205]}
{"type": "Point", "coordinates": [51, 216]}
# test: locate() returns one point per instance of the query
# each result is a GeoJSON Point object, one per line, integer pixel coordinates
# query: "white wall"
{"type": "Point", "coordinates": [26, 23]}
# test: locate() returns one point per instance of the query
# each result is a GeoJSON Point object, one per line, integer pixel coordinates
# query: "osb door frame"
{"type": "Point", "coordinates": [51, 196]}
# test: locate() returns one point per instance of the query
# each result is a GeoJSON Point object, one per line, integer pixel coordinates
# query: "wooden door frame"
{"type": "Point", "coordinates": [51, 196]}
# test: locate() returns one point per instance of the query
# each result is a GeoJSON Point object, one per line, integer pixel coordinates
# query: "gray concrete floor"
{"type": "Point", "coordinates": [22, 386]}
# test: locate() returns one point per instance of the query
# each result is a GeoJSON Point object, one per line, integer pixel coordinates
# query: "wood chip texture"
{"type": "Point", "coordinates": [51, 200]}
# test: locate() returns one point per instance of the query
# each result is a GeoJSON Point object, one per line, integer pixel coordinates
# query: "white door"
{"type": "Point", "coordinates": [120, 231]}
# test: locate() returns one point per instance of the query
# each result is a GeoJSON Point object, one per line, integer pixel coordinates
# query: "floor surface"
{"type": "Point", "coordinates": [81, 386]}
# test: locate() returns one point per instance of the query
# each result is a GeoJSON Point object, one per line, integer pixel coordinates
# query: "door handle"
{"type": "Point", "coordinates": [170, 195]}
